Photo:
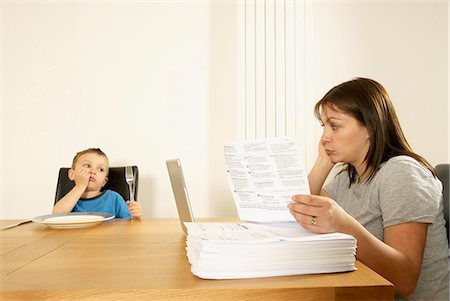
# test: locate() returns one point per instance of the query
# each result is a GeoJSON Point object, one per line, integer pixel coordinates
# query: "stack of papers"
{"type": "Point", "coordinates": [249, 250]}
{"type": "Point", "coordinates": [263, 175]}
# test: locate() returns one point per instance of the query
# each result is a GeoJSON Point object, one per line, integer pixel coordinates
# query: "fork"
{"type": "Point", "coordinates": [129, 177]}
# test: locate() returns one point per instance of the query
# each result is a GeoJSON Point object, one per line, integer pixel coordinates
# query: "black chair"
{"type": "Point", "coordinates": [116, 182]}
{"type": "Point", "coordinates": [442, 171]}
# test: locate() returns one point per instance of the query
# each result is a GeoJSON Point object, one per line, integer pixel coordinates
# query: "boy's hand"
{"type": "Point", "coordinates": [82, 178]}
{"type": "Point", "coordinates": [135, 209]}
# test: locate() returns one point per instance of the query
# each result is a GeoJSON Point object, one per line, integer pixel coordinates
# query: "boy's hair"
{"type": "Point", "coordinates": [87, 151]}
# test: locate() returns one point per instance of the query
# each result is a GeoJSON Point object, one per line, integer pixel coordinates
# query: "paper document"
{"type": "Point", "coordinates": [248, 232]}
{"type": "Point", "coordinates": [246, 250]}
{"type": "Point", "coordinates": [263, 175]}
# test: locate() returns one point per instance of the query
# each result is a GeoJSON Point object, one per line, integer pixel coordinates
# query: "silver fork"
{"type": "Point", "coordinates": [129, 177]}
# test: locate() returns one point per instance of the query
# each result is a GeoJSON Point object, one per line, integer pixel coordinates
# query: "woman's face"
{"type": "Point", "coordinates": [344, 138]}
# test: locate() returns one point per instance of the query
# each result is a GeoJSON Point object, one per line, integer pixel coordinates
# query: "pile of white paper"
{"type": "Point", "coordinates": [249, 250]}
{"type": "Point", "coordinates": [263, 175]}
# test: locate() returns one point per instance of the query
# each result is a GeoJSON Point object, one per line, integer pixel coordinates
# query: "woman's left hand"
{"type": "Point", "coordinates": [319, 214]}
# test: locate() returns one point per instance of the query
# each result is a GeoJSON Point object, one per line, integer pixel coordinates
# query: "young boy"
{"type": "Point", "coordinates": [90, 172]}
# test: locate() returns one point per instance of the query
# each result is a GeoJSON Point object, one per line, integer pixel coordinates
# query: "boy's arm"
{"type": "Point", "coordinates": [66, 203]}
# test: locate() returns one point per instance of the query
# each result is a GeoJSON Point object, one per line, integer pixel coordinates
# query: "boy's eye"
{"type": "Point", "coordinates": [101, 169]}
{"type": "Point", "coordinates": [86, 165]}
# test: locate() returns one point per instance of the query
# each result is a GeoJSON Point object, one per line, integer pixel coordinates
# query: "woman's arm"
{"type": "Point", "coordinates": [318, 175]}
{"type": "Point", "coordinates": [320, 170]}
{"type": "Point", "coordinates": [398, 258]}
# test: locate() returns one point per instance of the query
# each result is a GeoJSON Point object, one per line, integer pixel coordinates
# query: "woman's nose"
{"type": "Point", "coordinates": [326, 137]}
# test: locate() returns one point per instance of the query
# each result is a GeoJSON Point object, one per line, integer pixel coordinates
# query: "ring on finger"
{"type": "Point", "coordinates": [313, 221]}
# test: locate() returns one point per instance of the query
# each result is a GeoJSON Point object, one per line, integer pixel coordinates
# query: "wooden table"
{"type": "Point", "coordinates": [121, 259]}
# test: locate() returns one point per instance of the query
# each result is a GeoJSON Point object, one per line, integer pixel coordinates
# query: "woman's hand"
{"type": "Point", "coordinates": [320, 170]}
{"type": "Point", "coordinates": [319, 214]}
{"type": "Point", "coordinates": [322, 155]}
{"type": "Point", "coordinates": [135, 209]}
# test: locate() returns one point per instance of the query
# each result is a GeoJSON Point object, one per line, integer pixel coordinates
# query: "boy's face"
{"type": "Point", "coordinates": [96, 166]}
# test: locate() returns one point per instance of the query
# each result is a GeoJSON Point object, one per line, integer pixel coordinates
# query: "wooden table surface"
{"type": "Point", "coordinates": [122, 259]}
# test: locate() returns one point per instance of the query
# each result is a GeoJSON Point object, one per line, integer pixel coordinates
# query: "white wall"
{"type": "Point", "coordinates": [144, 81]}
{"type": "Point", "coordinates": [148, 81]}
{"type": "Point", "coordinates": [404, 46]}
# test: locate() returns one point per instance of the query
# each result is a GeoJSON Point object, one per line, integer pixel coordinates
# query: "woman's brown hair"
{"type": "Point", "coordinates": [368, 102]}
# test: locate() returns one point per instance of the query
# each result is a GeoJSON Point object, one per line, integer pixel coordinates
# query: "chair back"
{"type": "Point", "coordinates": [442, 171]}
{"type": "Point", "coordinates": [116, 182]}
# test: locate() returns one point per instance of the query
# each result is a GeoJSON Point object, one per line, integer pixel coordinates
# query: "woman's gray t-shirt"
{"type": "Point", "coordinates": [402, 191]}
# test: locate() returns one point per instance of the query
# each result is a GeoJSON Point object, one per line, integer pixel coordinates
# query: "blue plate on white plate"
{"type": "Point", "coordinates": [73, 220]}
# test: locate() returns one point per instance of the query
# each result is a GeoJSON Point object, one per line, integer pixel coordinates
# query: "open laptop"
{"type": "Point", "coordinates": [180, 192]}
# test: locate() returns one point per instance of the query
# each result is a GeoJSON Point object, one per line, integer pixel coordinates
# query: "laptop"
{"type": "Point", "coordinates": [180, 192]}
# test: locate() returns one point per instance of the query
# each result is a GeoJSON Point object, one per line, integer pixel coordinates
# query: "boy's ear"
{"type": "Point", "coordinates": [106, 181]}
{"type": "Point", "coordinates": [71, 174]}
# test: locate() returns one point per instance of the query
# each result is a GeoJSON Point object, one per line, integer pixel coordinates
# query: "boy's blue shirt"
{"type": "Point", "coordinates": [108, 201]}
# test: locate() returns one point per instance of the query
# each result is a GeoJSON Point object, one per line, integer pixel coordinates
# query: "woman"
{"type": "Point", "coordinates": [385, 195]}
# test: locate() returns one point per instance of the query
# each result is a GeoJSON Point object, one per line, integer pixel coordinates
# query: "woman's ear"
{"type": "Point", "coordinates": [71, 174]}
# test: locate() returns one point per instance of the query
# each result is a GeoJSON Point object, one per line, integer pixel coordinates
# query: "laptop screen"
{"type": "Point", "coordinates": [180, 192]}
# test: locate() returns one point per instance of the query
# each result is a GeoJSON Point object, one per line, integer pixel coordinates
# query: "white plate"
{"type": "Point", "coordinates": [73, 219]}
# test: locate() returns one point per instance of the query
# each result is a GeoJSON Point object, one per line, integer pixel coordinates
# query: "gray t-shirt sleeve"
{"type": "Point", "coordinates": [408, 192]}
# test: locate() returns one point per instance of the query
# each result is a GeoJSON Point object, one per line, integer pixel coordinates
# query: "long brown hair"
{"type": "Point", "coordinates": [368, 102]}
